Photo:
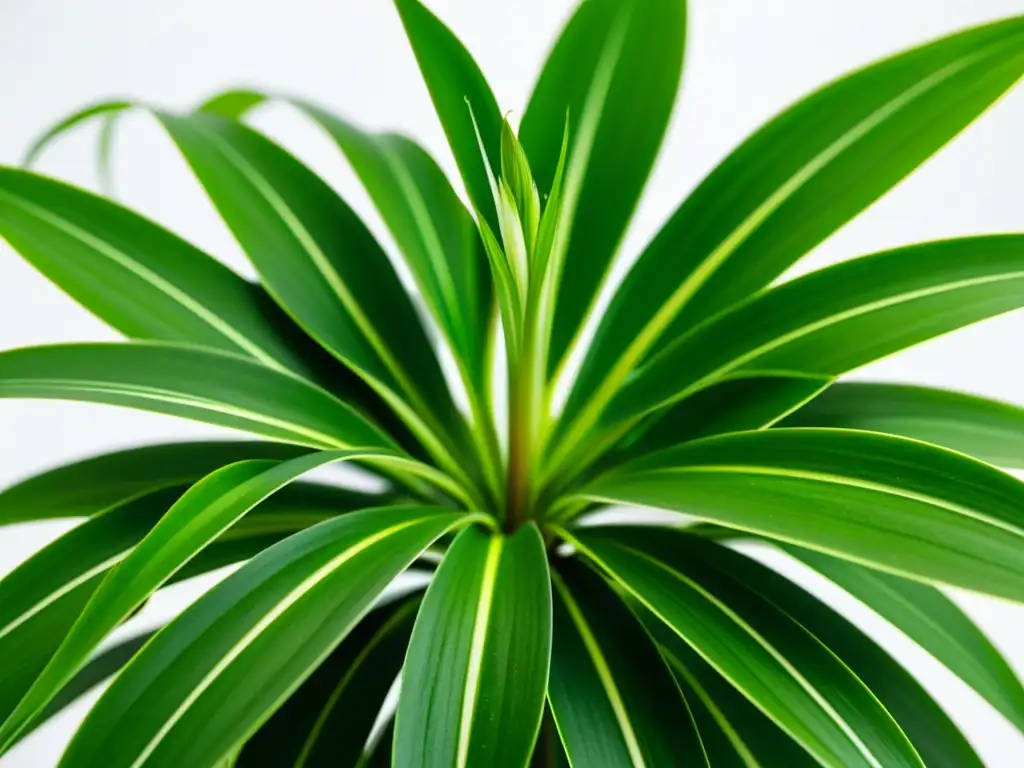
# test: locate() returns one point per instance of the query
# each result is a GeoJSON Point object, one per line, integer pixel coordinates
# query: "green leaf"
{"type": "Point", "coordinates": [746, 402]}
{"type": "Point", "coordinates": [730, 645]}
{"type": "Point", "coordinates": [751, 735]}
{"type": "Point", "coordinates": [329, 718]}
{"type": "Point", "coordinates": [42, 597]}
{"type": "Point", "coordinates": [208, 386]}
{"type": "Point", "coordinates": [476, 671]}
{"type": "Point", "coordinates": [838, 318]}
{"type": "Point", "coordinates": [103, 109]}
{"type": "Point", "coordinates": [934, 622]}
{"type": "Point", "coordinates": [205, 512]}
{"type": "Point", "coordinates": [793, 183]}
{"type": "Point", "coordinates": [931, 731]}
{"type": "Point", "coordinates": [613, 697]}
{"type": "Point", "coordinates": [986, 429]}
{"type": "Point", "coordinates": [890, 503]}
{"type": "Point", "coordinates": [323, 266]}
{"type": "Point", "coordinates": [454, 80]}
{"type": "Point", "coordinates": [134, 275]}
{"type": "Point", "coordinates": [88, 487]}
{"type": "Point", "coordinates": [632, 124]}
{"type": "Point", "coordinates": [216, 673]}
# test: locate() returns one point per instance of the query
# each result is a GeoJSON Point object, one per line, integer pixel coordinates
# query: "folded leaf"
{"type": "Point", "coordinates": [934, 622]}
{"type": "Point", "coordinates": [220, 669]}
{"type": "Point", "coordinates": [986, 429]}
{"type": "Point", "coordinates": [890, 503]}
{"type": "Point", "coordinates": [203, 385]}
{"type": "Point", "coordinates": [456, 86]}
{"type": "Point", "coordinates": [631, 127]}
{"type": "Point", "coordinates": [794, 182]}
{"type": "Point", "coordinates": [477, 668]}
{"type": "Point", "coordinates": [329, 718]}
{"type": "Point", "coordinates": [613, 697]}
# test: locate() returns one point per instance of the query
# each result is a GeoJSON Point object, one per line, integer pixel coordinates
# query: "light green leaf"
{"type": "Point", "coordinates": [613, 697]}
{"type": "Point", "coordinates": [205, 512]}
{"type": "Point", "coordinates": [936, 623]}
{"type": "Point", "coordinates": [477, 668]}
{"type": "Point", "coordinates": [454, 80]}
{"type": "Point", "coordinates": [329, 718]}
{"type": "Point", "coordinates": [793, 183]}
{"type": "Point", "coordinates": [890, 503]}
{"type": "Point", "coordinates": [134, 275]}
{"type": "Point", "coordinates": [734, 648]}
{"type": "Point", "coordinates": [631, 125]}
{"type": "Point", "coordinates": [208, 386]}
{"type": "Point", "coordinates": [216, 673]}
{"type": "Point", "coordinates": [837, 319]}
{"type": "Point", "coordinates": [90, 486]}
{"type": "Point", "coordinates": [986, 429]}
{"type": "Point", "coordinates": [324, 267]}
{"type": "Point", "coordinates": [103, 109]}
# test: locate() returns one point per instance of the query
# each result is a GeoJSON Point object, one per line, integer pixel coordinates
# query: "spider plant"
{"type": "Point", "coordinates": [706, 388]}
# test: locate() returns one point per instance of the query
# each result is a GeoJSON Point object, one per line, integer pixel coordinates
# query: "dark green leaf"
{"type": "Point", "coordinates": [216, 673]}
{"type": "Point", "coordinates": [632, 124]}
{"type": "Point", "coordinates": [936, 623]}
{"type": "Point", "coordinates": [890, 503]}
{"type": "Point", "coordinates": [181, 381]}
{"type": "Point", "coordinates": [986, 429]}
{"type": "Point", "coordinates": [612, 695]}
{"type": "Point", "coordinates": [794, 182]}
{"type": "Point", "coordinates": [457, 85]}
{"type": "Point", "coordinates": [477, 668]}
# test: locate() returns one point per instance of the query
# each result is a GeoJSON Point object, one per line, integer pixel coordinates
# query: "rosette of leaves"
{"type": "Point", "coordinates": [706, 388]}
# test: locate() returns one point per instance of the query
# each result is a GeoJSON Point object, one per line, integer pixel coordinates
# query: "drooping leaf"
{"type": "Point", "coordinates": [986, 429]}
{"type": "Point", "coordinates": [329, 718]}
{"type": "Point", "coordinates": [889, 503]}
{"type": "Point", "coordinates": [476, 672]}
{"type": "Point", "coordinates": [219, 670]}
{"type": "Point", "coordinates": [613, 697]}
{"type": "Point", "coordinates": [88, 487]}
{"type": "Point", "coordinates": [931, 731]}
{"type": "Point", "coordinates": [730, 645]}
{"type": "Point", "coordinates": [632, 124]}
{"type": "Point", "coordinates": [199, 517]}
{"type": "Point", "coordinates": [794, 182]}
{"type": "Point", "coordinates": [134, 275]}
{"type": "Point", "coordinates": [99, 109]}
{"type": "Point", "coordinates": [323, 266]}
{"type": "Point", "coordinates": [457, 85]}
{"type": "Point", "coordinates": [934, 622]}
{"type": "Point", "coordinates": [836, 319]}
{"type": "Point", "coordinates": [208, 386]}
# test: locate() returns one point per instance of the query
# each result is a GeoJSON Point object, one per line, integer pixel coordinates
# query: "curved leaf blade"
{"type": "Point", "coordinates": [794, 182]}
{"type": "Point", "coordinates": [329, 718]}
{"type": "Point", "coordinates": [632, 125]}
{"type": "Point", "coordinates": [935, 623]}
{"type": "Point", "coordinates": [215, 674]}
{"type": "Point", "coordinates": [889, 503]}
{"type": "Point", "coordinates": [986, 429]}
{"type": "Point", "coordinates": [613, 698]}
{"type": "Point", "coordinates": [454, 81]}
{"type": "Point", "coordinates": [476, 671]}
{"type": "Point", "coordinates": [198, 384]}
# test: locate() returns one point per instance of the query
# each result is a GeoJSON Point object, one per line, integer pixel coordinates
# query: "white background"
{"type": "Point", "coordinates": [746, 60]}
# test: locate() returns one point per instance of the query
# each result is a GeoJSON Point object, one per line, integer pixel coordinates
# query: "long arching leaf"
{"type": "Point", "coordinates": [456, 87]}
{"type": "Point", "coordinates": [477, 668]}
{"type": "Point", "coordinates": [216, 673]}
{"type": "Point", "coordinates": [986, 429]}
{"type": "Point", "coordinates": [182, 381]}
{"type": "Point", "coordinates": [794, 182]}
{"type": "Point", "coordinates": [890, 503]}
{"type": "Point", "coordinates": [612, 695]}
{"type": "Point", "coordinates": [632, 125]}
